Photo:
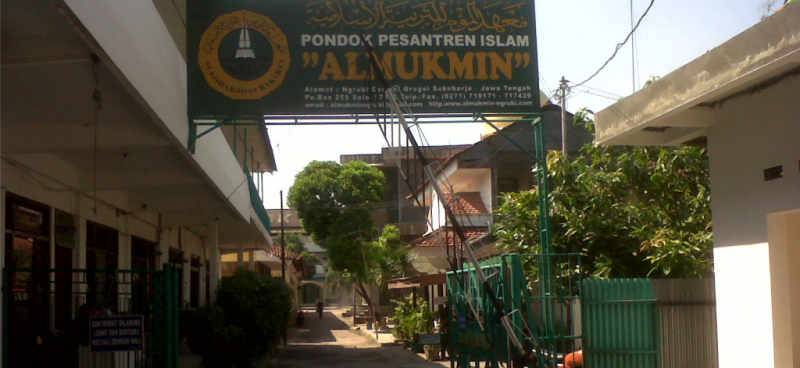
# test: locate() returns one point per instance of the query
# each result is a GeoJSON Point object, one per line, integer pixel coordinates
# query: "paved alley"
{"type": "Point", "coordinates": [330, 342]}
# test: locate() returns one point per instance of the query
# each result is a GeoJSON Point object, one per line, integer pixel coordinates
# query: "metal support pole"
{"type": "Point", "coordinates": [354, 303]}
{"type": "Point", "coordinates": [283, 245]}
{"type": "Point", "coordinates": [563, 97]}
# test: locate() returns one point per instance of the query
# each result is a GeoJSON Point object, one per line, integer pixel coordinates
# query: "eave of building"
{"type": "Point", "coordinates": [678, 108]}
{"type": "Point", "coordinates": [143, 130]}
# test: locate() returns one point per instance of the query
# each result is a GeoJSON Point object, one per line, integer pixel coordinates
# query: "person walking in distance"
{"type": "Point", "coordinates": [320, 307]}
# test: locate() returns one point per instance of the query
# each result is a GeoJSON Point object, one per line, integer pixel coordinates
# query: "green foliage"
{"type": "Point", "coordinates": [296, 244]}
{"type": "Point", "coordinates": [211, 336]}
{"type": "Point", "coordinates": [389, 259]}
{"type": "Point", "coordinates": [334, 203]}
{"type": "Point", "coordinates": [293, 242]}
{"type": "Point", "coordinates": [410, 321]}
{"type": "Point", "coordinates": [250, 314]}
{"type": "Point", "coordinates": [631, 211]}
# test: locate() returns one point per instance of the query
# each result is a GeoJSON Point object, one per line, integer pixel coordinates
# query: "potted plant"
{"type": "Point", "coordinates": [432, 352]}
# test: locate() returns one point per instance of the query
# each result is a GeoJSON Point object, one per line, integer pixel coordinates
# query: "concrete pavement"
{"type": "Point", "coordinates": [331, 342]}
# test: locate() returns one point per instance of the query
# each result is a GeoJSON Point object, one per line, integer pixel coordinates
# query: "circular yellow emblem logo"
{"type": "Point", "coordinates": [244, 55]}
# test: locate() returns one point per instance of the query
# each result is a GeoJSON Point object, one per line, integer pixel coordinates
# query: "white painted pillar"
{"type": "Point", "coordinates": [124, 263]}
{"type": "Point", "coordinates": [252, 257]}
{"type": "Point", "coordinates": [201, 298]}
{"type": "Point", "coordinates": [52, 265]}
{"type": "Point", "coordinates": [240, 255]}
{"type": "Point", "coordinates": [79, 260]}
{"type": "Point", "coordinates": [163, 248]}
{"type": "Point", "coordinates": [214, 258]}
{"type": "Point", "coordinates": [186, 298]}
{"type": "Point", "coordinates": [124, 257]}
{"type": "Point", "coordinates": [2, 254]}
{"type": "Point", "coordinates": [784, 236]}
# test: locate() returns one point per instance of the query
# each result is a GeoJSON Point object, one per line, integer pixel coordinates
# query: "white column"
{"type": "Point", "coordinates": [2, 253]}
{"type": "Point", "coordinates": [252, 257]}
{"type": "Point", "coordinates": [240, 255]}
{"type": "Point", "coordinates": [201, 298]}
{"type": "Point", "coordinates": [214, 258]}
{"type": "Point", "coordinates": [79, 259]}
{"type": "Point", "coordinates": [784, 236]}
{"type": "Point", "coordinates": [124, 262]}
{"type": "Point", "coordinates": [163, 248]}
{"type": "Point", "coordinates": [52, 265]}
{"type": "Point", "coordinates": [187, 276]}
{"type": "Point", "coordinates": [124, 257]}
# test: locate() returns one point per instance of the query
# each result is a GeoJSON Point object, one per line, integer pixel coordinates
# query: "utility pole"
{"type": "Point", "coordinates": [633, 50]}
{"type": "Point", "coordinates": [283, 245]}
{"type": "Point", "coordinates": [562, 95]}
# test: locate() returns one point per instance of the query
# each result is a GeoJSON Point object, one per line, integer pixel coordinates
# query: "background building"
{"type": "Point", "coordinates": [97, 170]}
{"type": "Point", "coordinates": [740, 101]}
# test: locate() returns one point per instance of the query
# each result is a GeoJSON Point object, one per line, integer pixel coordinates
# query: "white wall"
{"type": "Point", "coordinates": [784, 255]}
{"type": "Point", "coordinates": [480, 180]}
{"type": "Point", "coordinates": [755, 132]}
{"type": "Point", "coordinates": [57, 194]}
{"type": "Point", "coordinates": [135, 38]}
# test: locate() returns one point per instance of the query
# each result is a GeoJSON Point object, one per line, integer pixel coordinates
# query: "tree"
{"type": "Point", "coordinates": [390, 258]}
{"type": "Point", "coordinates": [296, 244]}
{"type": "Point", "coordinates": [334, 203]}
{"type": "Point", "coordinates": [631, 211]}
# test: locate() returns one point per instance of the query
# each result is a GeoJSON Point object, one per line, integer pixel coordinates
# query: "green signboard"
{"type": "Point", "coordinates": [310, 57]}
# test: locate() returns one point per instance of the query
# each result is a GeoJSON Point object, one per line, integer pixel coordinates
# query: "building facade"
{"type": "Point", "coordinates": [97, 170]}
{"type": "Point", "coordinates": [740, 101]}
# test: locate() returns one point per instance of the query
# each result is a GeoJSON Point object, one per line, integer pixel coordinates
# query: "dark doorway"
{"type": "Point", "coordinates": [27, 246]}
{"type": "Point", "coordinates": [176, 260]}
{"type": "Point", "coordinates": [102, 253]}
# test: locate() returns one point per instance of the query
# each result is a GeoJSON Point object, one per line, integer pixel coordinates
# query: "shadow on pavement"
{"type": "Point", "coordinates": [328, 356]}
{"type": "Point", "coordinates": [318, 330]}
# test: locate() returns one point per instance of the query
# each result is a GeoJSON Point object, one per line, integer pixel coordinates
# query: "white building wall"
{"type": "Point", "coordinates": [480, 180]}
{"type": "Point", "coordinates": [754, 132]}
{"type": "Point", "coordinates": [784, 244]}
{"type": "Point", "coordinates": [135, 38]}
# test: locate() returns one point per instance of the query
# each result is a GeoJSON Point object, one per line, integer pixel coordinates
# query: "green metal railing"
{"type": "Point", "coordinates": [256, 202]}
{"type": "Point", "coordinates": [542, 319]}
{"type": "Point", "coordinates": [41, 306]}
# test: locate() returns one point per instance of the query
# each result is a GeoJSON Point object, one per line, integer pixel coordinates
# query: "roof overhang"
{"type": "Point", "coordinates": [678, 108]}
{"type": "Point", "coordinates": [404, 283]}
{"type": "Point", "coordinates": [260, 157]}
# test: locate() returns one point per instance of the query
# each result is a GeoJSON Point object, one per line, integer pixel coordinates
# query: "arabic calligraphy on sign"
{"type": "Point", "coordinates": [455, 16]}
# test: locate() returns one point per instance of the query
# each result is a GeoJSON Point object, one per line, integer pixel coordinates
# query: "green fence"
{"type": "Point", "coordinates": [46, 311]}
{"type": "Point", "coordinates": [643, 323]}
{"type": "Point", "coordinates": [619, 324]}
{"type": "Point", "coordinates": [542, 318]}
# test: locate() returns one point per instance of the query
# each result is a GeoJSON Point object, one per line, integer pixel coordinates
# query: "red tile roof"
{"type": "Point", "coordinates": [466, 202]}
{"type": "Point", "coordinates": [276, 250]}
{"type": "Point", "coordinates": [488, 251]}
{"type": "Point", "coordinates": [448, 237]}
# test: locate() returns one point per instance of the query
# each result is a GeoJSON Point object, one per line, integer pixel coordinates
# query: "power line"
{"type": "Point", "coordinates": [599, 95]}
{"type": "Point", "coordinates": [602, 91]}
{"type": "Point", "coordinates": [619, 45]}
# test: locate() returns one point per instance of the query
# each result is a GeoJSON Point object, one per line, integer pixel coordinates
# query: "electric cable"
{"type": "Point", "coordinates": [619, 45]}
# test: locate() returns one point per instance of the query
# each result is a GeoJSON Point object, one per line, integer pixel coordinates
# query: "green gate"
{"type": "Point", "coordinates": [541, 316]}
{"type": "Point", "coordinates": [620, 324]}
{"type": "Point", "coordinates": [46, 316]}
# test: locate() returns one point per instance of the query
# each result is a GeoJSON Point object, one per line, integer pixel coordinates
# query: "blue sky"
{"type": "Point", "coordinates": [575, 37]}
